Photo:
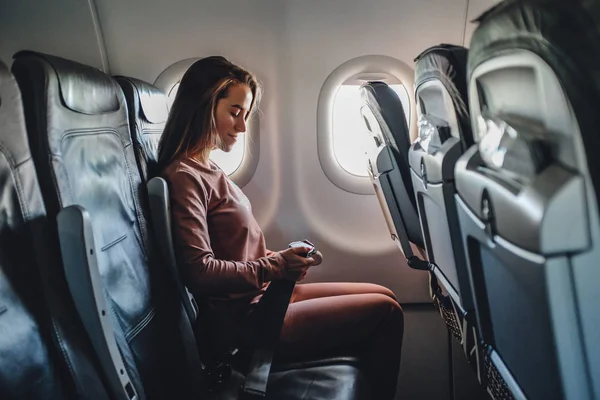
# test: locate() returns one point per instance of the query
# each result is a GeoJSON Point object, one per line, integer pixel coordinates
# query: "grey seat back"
{"type": "Point", "coordinates": [148, 113]}
{"type": "Point", "coordinates": [388, 163]}
{"type": "Point", "coordinates": [79, 132]}
{"type": "Point", "coordinates": [528, 196]}
{"type": "Point", "coordinates": [444, 134]}
{"type": "Point", "coordinates": [43, 352]}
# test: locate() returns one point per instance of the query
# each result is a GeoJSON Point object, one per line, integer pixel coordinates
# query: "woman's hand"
{"type": "Point", "coordinates": [296, 264]}
{"type": "Point", "coordinates": [318, 257]}
{"type": "Point", "coordinates": [294, 258]}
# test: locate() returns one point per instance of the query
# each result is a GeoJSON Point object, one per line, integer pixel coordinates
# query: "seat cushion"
{"type": "Point", "coordinates": [337, 378]}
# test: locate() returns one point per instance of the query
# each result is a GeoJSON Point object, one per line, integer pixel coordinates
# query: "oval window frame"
{"type": "Point", "coordinates": [363, 68]}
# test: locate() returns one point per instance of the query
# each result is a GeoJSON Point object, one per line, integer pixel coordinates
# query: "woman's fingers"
{"type": "Point", "coordinates": [301, 250]}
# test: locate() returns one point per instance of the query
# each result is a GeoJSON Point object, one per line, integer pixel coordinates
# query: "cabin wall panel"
{"type": "Point", "coordinates": [143, 38]}
{"type": "Point", "coordinates": [60, 27]}
{"type": "Point", "coordinates": [476, 8]}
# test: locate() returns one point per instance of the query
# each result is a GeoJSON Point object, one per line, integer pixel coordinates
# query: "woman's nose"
{"type": "Point", "coordinates": [240, 126]}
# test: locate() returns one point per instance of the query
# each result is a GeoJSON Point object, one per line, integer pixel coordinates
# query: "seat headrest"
{"type": "Point", "coordinates": [152, 101]}
{"type": "Point", "coordinates": [448, 63]}
{"type": "Point", "coordinates": [387, 108]}
{"type": "Point", "coordinates": [83, 89]}
{"type": "Point", "coordinates": [12, 121]}
{"type": "Point", "coordinates": [566, 36]}
{"type": "Point", "coordinates": [562, 33]}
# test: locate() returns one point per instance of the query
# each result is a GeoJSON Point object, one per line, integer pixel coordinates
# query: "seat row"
{"type": "Point", "coordinates": [88, 308]}
{"type": "Point", "coordinates": [501, 190]}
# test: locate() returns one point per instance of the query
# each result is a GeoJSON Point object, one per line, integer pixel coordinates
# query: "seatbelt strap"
{"type": "Point", "coordinates": [268, 319]}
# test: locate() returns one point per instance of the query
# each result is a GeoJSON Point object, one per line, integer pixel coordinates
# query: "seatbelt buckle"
{"type": "Point", "coordinates": [304, 243]}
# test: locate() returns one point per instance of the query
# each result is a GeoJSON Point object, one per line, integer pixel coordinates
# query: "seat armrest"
{"type": "Point", "coordinates": [85, 284]}
{"type": "Point", "coordinates": [160, 210]}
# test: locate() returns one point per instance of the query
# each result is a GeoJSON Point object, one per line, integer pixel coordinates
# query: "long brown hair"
{"type": "Point", "coordinates": [191, 126]}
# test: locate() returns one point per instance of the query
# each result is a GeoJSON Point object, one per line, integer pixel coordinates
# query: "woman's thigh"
{"type": "Point", "coordinates": [308, 291]}
{"type": "Point", "coordinates": [315, 325]}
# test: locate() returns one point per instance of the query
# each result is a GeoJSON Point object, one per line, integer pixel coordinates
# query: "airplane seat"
{"type": "Point", "coordinates": [444, 134]}
{"type": "Point", "coordinates": [389, 169]}
{"type": "Point", "coordinates": [527, 196]}
{"type": "Point", "coordinates": [80, 141]}
{"type": "Point", "coordinates": [147, 115]}
{"type": "Point", "coordinates": [43, 353]}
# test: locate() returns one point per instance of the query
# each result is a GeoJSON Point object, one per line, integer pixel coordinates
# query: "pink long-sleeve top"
{"type": "Point", "coordinates": [219, 246]}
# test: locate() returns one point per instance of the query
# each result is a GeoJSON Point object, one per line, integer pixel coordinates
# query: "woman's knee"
{"type": "Point", "coordinates": [380, 289]}
{"type": "Point", "coordinates": [373, 288]}
{"type": "Point", "coordinates": [388, 309]}
{"type": "Point", "coordinates": [308, 291]}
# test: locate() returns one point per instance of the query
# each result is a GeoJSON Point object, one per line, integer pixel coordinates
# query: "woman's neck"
{"type": "Point", "coordinates": [202, 159]}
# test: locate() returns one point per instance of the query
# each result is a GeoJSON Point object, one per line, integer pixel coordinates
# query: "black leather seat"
{"type": "Point", "coordinates": [327, 378]}
{"type": "Point", "coordinates": [79, 135]}
{"type": "Point", "coordinates": [148, 113]}
{"type": "Point", "coordinates": [528, 196]}
{"type": "Point", "coordinates": [389, 168]}
{"type": "Point", "coordinates": [444, 135]}
{"type": "Point", "coordinates": [44, 354]}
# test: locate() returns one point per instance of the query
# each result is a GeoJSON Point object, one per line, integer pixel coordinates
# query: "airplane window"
{"type": "Point", "coordinates": [342, 140]}
{"type": "Point", "coordinates": [228, 162]}
{"type": "Point", "coordinates": [350, 142]}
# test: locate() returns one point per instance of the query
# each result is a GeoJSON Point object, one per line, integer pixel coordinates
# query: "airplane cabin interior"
{"type": "Point", "coordinates": [443, 149]}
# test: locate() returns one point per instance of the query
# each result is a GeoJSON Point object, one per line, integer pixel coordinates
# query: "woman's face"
{"type": "Point", "coordinates": [231, 115]}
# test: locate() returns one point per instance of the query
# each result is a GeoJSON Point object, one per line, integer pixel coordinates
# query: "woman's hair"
{"type": "Point", "coordinates": [191, 126]}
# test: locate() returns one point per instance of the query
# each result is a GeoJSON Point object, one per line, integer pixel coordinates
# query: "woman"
{"type": "Point", "coordinates": [221, 249]}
